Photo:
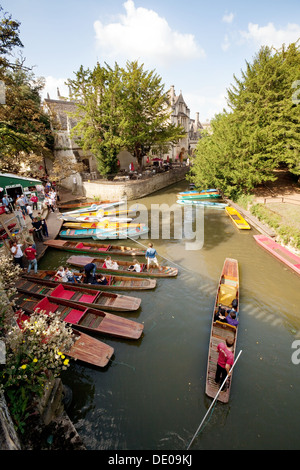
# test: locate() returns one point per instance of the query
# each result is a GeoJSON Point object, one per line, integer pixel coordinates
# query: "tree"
{"type": "Point", "coordinates": [120, 108]}
{"type": "Point", "coordinates": [25, 135]}
{"type": "Point", "coordinates": [261, 130]}
{"type": "Point", "coordinates": [9, 40]}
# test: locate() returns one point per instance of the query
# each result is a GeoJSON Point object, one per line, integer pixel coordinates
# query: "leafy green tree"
{"type": "Point", "coordinates": [120, 108]}
{"type": "Point", "coordinates": [261, 130]}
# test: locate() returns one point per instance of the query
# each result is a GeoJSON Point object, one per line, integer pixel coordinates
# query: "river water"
{"type": "Point", "coordinates": [152, 394]}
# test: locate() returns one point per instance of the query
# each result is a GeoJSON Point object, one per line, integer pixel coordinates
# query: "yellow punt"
{"type": "Point", "coordinates": [237, 219]}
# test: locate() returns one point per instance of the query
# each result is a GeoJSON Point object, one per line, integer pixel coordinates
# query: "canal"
{"type": "Point", "coordinates": [152, 394]}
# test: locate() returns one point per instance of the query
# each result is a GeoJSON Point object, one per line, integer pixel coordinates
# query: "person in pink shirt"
{"type": "Point", "coordinates": [225, 360]}
{"type": "Point", "coordinates": [30, 253]}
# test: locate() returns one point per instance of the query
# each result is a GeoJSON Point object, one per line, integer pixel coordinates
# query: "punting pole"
{"type": "Point", "coordinates": [213, 402]}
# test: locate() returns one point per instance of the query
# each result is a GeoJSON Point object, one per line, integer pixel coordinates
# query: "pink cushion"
{"type": "Point", "coordinates": [47, 306]}
{"type": "Point", "coordinates": [87, 298]}
{"type": "Point", "coordinates": [74, 316]}
{"type": "Point", "coordinates": [62, 293]}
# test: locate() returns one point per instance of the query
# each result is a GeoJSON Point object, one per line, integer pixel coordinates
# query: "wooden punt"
{"type": "Point", "coordinates": [197, 195]}
{"type": "Point", "coordinates": [191, 202]}
{"type": "Point", "coordinates": [94, 247]}
{"type": "Point", "coordinates": [95, 207]}
{"type": "Point", "coordinates": [102, 224]}
{"type": "Point", "coordinates": [228, 290]}
{"type": "Point", "coordinates": [98, 214]}
{"type": "Point", "coordinates": [122, 283]}
{"type": "Point", "coordinates": [85, 348]}
{"type": "Point", "coordinates": [81, 261]}
{"type": "Point", "coordinates": [280, 252]}
{"type": "Point", "coordinates": [104, 233]}
{"type": "Point", "coordinates": [90, 320]}
{"type": "Point", "coordinates": [82, 295]}
{"type": "Point", "coordinates": [81, 204]}
{"type": "Point", "coordinates": [237, 219]}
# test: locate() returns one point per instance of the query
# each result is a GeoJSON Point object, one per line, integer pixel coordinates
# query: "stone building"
{"type": "Point", "coordinates": [66, 148]}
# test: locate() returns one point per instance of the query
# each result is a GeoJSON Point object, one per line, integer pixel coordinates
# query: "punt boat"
{"type": "Point", "coordinates": [280, 252]}
{"type": "Point", "coordinates": [227, 292]}
{"type": "Point", "coordinates": [93, 247]}
{"type": "Point", "coordinates": [122, 283]}
{"type": "Point", "coordinates": [81, 261]}
{"type": "Point", "coordinates": [237, 219]}
{"type": "Point", "coordinates": [85, 348]}
{"type": "Point", "coordinates": [78, 316]}
{"type": "Point", "coordinates": [82, 295]}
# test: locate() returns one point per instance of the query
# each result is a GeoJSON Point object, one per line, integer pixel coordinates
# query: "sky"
{"type": "Point", "coordinates": [197, 46]}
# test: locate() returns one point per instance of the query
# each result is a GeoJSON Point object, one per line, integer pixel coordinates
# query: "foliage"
{"type": "Point", "coordinates": [261, 130]}
{"type": "Point", "coordinates": [33, 352]}
{"type": "Point", "coordinates": [33, 357]}
{"type": "Point", "coordinates": [120, 108]}
{"type": "Point", "coordinates": [25, 134]}
{"type": "Point", "coordinates": [9, 40]}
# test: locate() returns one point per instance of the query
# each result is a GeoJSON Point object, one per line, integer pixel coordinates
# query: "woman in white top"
{"type": "Point", "coordinates": [61, 274]}
{"type": "Point", "coordinates": [110, 264]}
{"type": "Point", "coordinates": [136, 267]}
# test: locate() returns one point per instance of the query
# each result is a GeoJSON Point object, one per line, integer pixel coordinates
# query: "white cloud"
{"type": "Point", "coordinates": [207, 105]}
{"type": "Point", "coordinates": [52, 85]}
{"type": "Point", "coordinates": [228, 18]}
{"type": "Point", "coordinates": [270, 36]}
{"type": "Point", "coordinates": [143, 34]}
{"type": "Point", "coordinates": [226, 43]}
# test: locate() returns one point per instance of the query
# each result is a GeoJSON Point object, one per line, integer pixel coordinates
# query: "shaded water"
{"type": "Point", "coordinates": [152, 395]}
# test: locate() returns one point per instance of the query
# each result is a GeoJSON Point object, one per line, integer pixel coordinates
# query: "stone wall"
{"type": "Point", "coordinates": [132, 189]}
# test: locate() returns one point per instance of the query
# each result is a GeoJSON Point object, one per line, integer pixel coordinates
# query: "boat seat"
{"type": "Point", "coordinates": [79, 245]}
{"type": "Point", "coordinates": [87, 298]}
{"type": "Point", "coordinates": [104, 248]}
{"type": "Point", "coordinates": [74, 316]}
{"type": "Point", "coordinates": [46, 306]}
{"type": "Point", "coordinates": [109, 280]}
{"type": "Point", "coordinates": [62, 293]}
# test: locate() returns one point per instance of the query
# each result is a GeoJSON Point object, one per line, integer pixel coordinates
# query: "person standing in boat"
{"type": "Point", "coordinates": [90, 272]}
{"type": "Point", "coordinates": [225, 361]}
{"type": "Point", "coordinates": [151, 257]}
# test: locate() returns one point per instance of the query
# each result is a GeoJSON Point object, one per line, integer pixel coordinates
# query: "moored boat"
{"type": "Point", "coordinates": [116, 282]}
{"type": "Point", "coordinates": [85, 348]}
{"type": "Point", "coordinates": [197, 195]}
{"type": "Point", "coordinates": [280, 252]}
{"type": "Point", "coordinates": [79, 294]}
{"type": "Point", "coordinates": [104, 224]}
{"type": "Point", "coordinates": [105, 234]}
{"type": "Point", "coordinates": [79, 205]}
{"type": "Point", "coordinates": [237, 219]}
{"type": "Point", "coordinates": [90, 320]}
{"type": "Point", "coordinates": [81, 261]}
{"type": "Point", "coordinates": [93, 247]}
{"type": "Point", "coordinates": [227, 294]}
{"type": "Point", "coordinates": [95, 207]}
{"type": "Point", "coordinates": [191, 202]}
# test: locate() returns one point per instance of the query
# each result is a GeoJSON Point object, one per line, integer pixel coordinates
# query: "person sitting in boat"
{"type": "Point", "coordinates": [71, 276]}
{"type": "Point", "coordinates": [110, 264]}
{"type": "Point", "coordinates": [100, 280]}
{"type": "Point", "coordinates": [231, 318]}
{"type": "Point", "coordinates": [220, 314]}
{"type": "Point", "coordinates": [136, 267]}
{"type": "Point", "coordinates": [61, 275]}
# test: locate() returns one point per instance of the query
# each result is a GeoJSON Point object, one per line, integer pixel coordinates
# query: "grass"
{"type": "Point", "coordinates": [283, 218]}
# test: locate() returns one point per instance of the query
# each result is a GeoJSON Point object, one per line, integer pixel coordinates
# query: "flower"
{"type": "Point", "coordinates": [66, 362]}
{"type": "Point", "coordinates": [35, 359]}
{"type": "Point", "coordinates": [23, 366]}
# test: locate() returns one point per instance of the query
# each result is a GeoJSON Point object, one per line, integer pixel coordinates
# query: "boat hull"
{"type": "Point", "coordinates": [93, 247]}
{"type": "Point", "coordinates": [237, 219]}
{"type": "Point", "coordinates": [116, 282]}
{"type": "Point", "coordinates": [228, 289]}
{"type": "Point", "coordinates": [279, 252]}
{"type": "Point", "coordinates": [81, 261]}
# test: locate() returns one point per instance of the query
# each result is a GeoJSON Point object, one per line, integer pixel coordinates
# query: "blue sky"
{"type": "Point", "coordinates": [195, 45]}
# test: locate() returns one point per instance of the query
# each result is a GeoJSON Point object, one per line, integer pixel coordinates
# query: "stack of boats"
{"type": "Point", "coordinates": [206, 197]}
{"type": "Point", "coordinates": [101, 222]}
{"type": "Point", "coordinates": [89, 308]}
